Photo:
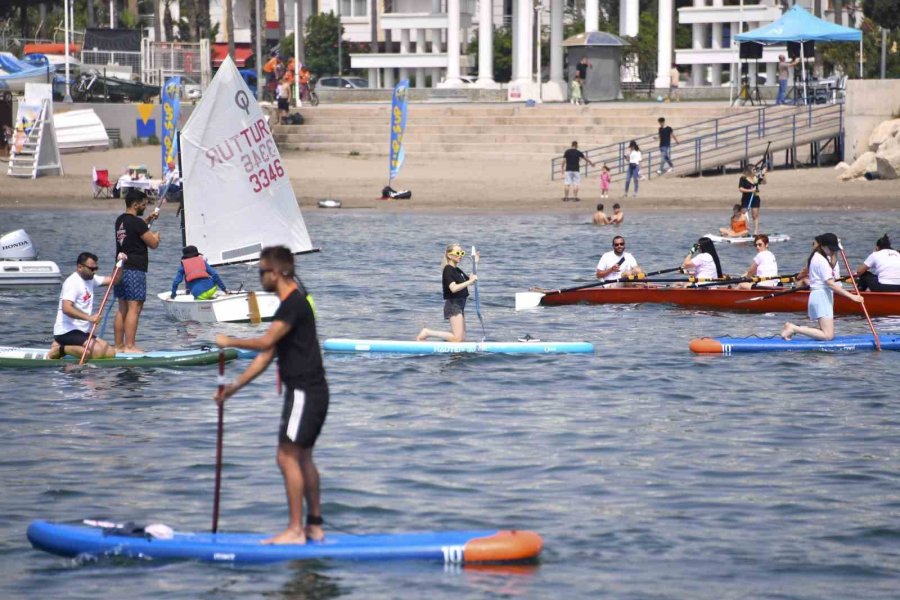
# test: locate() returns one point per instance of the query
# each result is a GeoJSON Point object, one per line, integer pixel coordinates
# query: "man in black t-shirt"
{"type": "Point", "coordinates": [572, 171]}
{"type": "Point", "coordinates": [133, 237]}
{"type": "Point", "coordinates": [665, 137]}
{"type": "Point", "coordinates": [292, 337]}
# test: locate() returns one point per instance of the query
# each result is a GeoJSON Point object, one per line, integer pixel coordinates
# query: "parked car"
{"type": "Point", "coordinates": [332, 82]}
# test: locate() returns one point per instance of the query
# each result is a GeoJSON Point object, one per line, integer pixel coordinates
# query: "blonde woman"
{"type": "Point", "coordinates": [456, 290]}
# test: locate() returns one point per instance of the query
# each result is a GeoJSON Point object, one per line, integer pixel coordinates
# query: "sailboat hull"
{"type": "Point", "coordinates": [228, 308]}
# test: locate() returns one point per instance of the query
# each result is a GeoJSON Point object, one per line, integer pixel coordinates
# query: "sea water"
{"type": "Point", "coordinates": [650, 472]}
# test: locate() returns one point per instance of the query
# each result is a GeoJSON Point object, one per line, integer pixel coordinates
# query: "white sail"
{"type": "Point", "coordinates": [237, 196]}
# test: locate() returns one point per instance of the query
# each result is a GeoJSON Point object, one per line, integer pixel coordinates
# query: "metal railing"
{"type": "Point", "coordinates": [730, 139]}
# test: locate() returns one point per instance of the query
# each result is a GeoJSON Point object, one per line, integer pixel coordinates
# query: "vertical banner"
{"type": "Point", "coordinates": [171, 107]}
{"type": "Point", "coordinates": [398, 125]}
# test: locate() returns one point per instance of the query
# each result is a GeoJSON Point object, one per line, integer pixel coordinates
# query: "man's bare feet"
{"type": "Point", "coordinates": [288, 536]}
{"type": "Point", "coordinates": [787, 332]}
{"type": "Point", "coordinates": [315, 533]}
{"type": "Point", "coordinates": [131, 350]}
{"type": "Point", "coordinates": [55, 351]}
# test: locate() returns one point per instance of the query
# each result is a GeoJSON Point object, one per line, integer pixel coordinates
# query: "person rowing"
{"type": "Point", "coordinates": [763, 265]}
{"type": "Point", "coordinates": [702, 262]}
{"type": "Point", "coordinates": [456, 290]}
{"type": "Point", "coordinates": [881, 270]}
{"type": "Point", "coordinates": [738, 226]}
{"type": "Point", "coordinates": [822, 275]}
{"type": "Point", "coordinates": [75, 313]}
{"type": "Point", "coordinates": [617, 263]}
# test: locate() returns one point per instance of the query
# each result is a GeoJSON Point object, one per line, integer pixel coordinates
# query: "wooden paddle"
{"type": "Point", "coordinates": [220, 432]}
{"type": "Point", "coordinates": [477, 301]}
{"type": "Point", "coordinates": [862, 304]}
{"type": "Point", "coordinates": [253, 305]}
{"type": "Point", "coordinates": [781, 278]}
{"type": "Point", "coordinates": [89, 342]}
{"type": "Point", "coordinates": [801, 288]}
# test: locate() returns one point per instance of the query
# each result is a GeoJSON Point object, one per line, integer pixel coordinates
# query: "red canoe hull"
{"type": "Point", "coordinates": [878, 303]}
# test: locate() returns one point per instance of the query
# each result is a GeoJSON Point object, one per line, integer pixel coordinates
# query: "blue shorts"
{"type": "Point", "coordinates": [132, 286]}
{"type": "Point", "coordinates": [821, 304]}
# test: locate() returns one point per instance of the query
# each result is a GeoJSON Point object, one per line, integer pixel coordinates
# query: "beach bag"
{"type": "Point", "coordinates": [294, 119]}
{"type": "Point", "coordinates": [389, 192]}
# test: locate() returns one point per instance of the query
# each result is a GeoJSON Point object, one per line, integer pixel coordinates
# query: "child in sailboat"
{"type": "Point", "coordinates": [201, 280]}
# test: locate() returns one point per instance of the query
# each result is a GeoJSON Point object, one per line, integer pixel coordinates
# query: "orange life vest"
{"type": "Point", "coordinates": [194, 268]}
{"type": "Point", "coordinates": [738, 224]}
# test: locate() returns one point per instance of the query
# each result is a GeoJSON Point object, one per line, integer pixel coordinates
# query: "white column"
{"type": "Point", "coordinates": [591, 15]}
{"type": "Point", "coordinates": [485, 44]}
{"type": "Point", "coordinates": [523, 71]}
{"type": "Point", "coordinates": [436, 43]}
{"type": "Point", "coordinates": [389, 78]}
{"type": "Point", "coordinates": [698, 31]}
{"type": "Point", "coordinates": [629, 13]}
{"type": "Point", "coordinates": [420, 49]}
{"type": "Point", "coordinates": [453, 43]}
{"type": "Point", "coordinates": [715, 74]}
{"type": "Point", "coordinates": [404, 51]}
{"type": "Point", "coordinates": [515, 37]}
{"type": "Point", "coordinates": [556, 39]}
{"type": "Point", "coordinates": [770, 73]}
{"type": "Point", "coordinates": [373, 78]}
{"type": "Point", "coordinates": [664, 53]}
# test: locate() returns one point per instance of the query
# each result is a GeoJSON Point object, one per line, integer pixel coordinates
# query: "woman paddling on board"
{"type": "Point", "coordinates": [456, 284]}
{"type": "Point", "coordinates": [822, 276]}
{"type": "Point", "coordinates": [702, 262]}
{"type": "Point", "coordinates": [763, 265]}
{"type": "Point", "coordinates": [749, 187]}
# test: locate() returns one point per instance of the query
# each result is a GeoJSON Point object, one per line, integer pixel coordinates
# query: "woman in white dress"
{"type": "Point", "coordinates": [822, 287]}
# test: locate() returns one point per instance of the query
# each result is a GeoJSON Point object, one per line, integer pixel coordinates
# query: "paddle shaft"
{"type": "Point", "coordinates": [89, 341]}
{"type": "Point", "coordinates": [599, 283]}
{"type": "Point", "coordinates": [862, 304]}
{"type": "Point", "coordinates": [220, 432]}
{"type": "Point", "coordinates": [781, 278]}
{"type": "Point", "coordinates": [475, 292]}
{"type": "Point", "coordinates": [801, 288]}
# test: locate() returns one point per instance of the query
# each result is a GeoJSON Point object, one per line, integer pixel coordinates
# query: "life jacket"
{"type": "Point", "coordinates": [738, 224]}
{"type": "Point", "coordinates": [194, 268]}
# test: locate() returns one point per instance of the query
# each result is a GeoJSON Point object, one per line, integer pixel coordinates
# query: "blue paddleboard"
{"type": "Point", "coordinates": [412, 347]}
{"type": "Point", "coordinates": [457, 547]}
{"type": "Point", "coordinates": [844, 343]}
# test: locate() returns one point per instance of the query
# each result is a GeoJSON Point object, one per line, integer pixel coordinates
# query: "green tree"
{"type": "Point", "coordinates": [320, 43]}
{"type": "Point", "coordinates": [885, 13]}
{"type": "Point", "coordinates": [844, 56]}
{"type": "Point", "coordinates": [502, 47]}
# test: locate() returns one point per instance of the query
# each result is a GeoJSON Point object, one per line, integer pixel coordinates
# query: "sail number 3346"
{"type": "Point", "coordinates": [267, 175]}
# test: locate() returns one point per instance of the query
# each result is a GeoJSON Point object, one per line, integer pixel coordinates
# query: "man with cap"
{"type": "Point", "coordinates": [821, 270]}
{"type": "Point", "coordinates": [201, 280]}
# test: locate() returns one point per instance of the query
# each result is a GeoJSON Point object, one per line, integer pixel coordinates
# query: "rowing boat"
{"type": "Point", "coordinates": [727, 346]}
{"type": "Point", "coordinates": [411, 347]}
{"type": "Point", "coordinates": [37, 357]}
{"type": "Point", "coordinates": [746, 239]}
{"type": "Point", "coordinates": [878, 303]}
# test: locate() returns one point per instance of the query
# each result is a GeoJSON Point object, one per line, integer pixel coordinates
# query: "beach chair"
{"type": "Point", "coordinates": [101, 184]}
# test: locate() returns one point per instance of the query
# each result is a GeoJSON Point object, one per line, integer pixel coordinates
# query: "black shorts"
{"type": "Point", "coordinates": [76, 337]}
{"type": "Point", "coordinates": [453, 307]}
{"type": "Point", "coordinates": [754, 202]}
{"type": "Point", "coordinates": [303, 415]}
{"type": "Point", "coordinates": [283, 104]}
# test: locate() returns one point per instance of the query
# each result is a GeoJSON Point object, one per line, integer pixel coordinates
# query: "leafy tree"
{"type": "Point", "coordinates": [502, 47]}
{"type": "Point", "coordinates": [885, 13]}
{"type": "Point", "coordinates": [320, 43]}
{"type": "Point", "coordinates": [844, 57]}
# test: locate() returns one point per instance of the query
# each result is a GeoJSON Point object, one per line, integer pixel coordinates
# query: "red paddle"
{"type": "Point", "coordinates": [219, 435]}
{"type": "Point", "coordinates": [89, 342]}
{"type": "Point", "coordinates": [862, 304]}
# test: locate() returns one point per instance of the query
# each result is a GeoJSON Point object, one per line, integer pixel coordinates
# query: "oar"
{"type": "Point", "coordinates": [862, 304]}
{"type": "Point", "coordinates": [219, 435]}
{"type": "Point", "coordinates": [532, 299]}
{"type": "Point", "coordinates": [779, 278]}
{"type": "Point", "coordinates": [89, 341]}
{"type": "Point", "coordinates": [801, 288]}
{"type": "Point", "coordinates": [477, 301]}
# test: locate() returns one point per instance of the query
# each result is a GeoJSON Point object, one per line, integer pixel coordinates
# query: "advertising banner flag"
{"type": "Point", "coordinates": [171, 107]}
{"type": "Point", "coordinates": [398, 125]}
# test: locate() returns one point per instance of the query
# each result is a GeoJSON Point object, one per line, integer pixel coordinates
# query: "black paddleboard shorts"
{"type": "Point", "coordinates": [303, 415]}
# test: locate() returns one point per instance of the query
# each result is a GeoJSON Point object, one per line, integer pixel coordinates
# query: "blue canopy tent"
{"type": "Point", "coordinates": [798, 25]}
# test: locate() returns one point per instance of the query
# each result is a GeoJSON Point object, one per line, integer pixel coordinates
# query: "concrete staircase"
{"type": "Point", "coordinates": [487, 131]}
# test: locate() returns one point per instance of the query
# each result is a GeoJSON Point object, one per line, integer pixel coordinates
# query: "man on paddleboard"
{"type": "Point", "coordinates": [75, 314]}
{"type": "Point", "coordinates": [292, 337]}
{"type": "Point", "coordinates": [133, 237]}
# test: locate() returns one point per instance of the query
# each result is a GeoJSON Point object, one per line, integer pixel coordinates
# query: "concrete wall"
{"type": "Point", "coordinates": [869, 102]}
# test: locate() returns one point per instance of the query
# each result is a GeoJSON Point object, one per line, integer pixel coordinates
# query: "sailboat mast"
{"type": "Point", "coordinates": [181, 175]}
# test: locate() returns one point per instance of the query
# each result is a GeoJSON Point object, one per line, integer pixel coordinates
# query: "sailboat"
{"type": "Point", "coordinates": [238, 197]}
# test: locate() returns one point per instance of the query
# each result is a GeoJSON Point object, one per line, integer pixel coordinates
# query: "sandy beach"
{"type": "Point", "coordinates": [474, 186]}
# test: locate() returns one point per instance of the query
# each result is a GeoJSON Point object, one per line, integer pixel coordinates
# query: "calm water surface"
{"type": "Point", "coordinates": [650, 472]}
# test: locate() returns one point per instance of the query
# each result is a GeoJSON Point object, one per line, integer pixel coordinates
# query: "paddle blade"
{"type": "Point", "coordinates": [253, 305]}
{"type": "Point", "coordinates": [526, 300]}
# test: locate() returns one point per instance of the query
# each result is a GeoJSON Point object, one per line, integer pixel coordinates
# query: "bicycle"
{"type": "Point", "coordinates": [311, 96]}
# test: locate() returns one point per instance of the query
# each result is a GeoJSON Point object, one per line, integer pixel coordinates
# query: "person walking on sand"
{"type": "Point", "coordinates": [820, 270]}
{"type": "Point", "coordinates": [456, 290]}
{"type": "Point", "coordinates": [600, 217]}
{"type": "Point", "coordinates": [634, 167]}
{"type": "Point", "coordinates": [572, 171]}
{"type": "Point", "coordinates": [605, 179]}
{"type": "Point", "coordinates": [292, 338]}
{"type": "Point", "coordinates": [133, 238]}
{"type": "Point", "coordinates": [665, 135]}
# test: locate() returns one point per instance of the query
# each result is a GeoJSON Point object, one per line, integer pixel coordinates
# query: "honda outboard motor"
{"type": "Point", "coordinates": [17, 246]}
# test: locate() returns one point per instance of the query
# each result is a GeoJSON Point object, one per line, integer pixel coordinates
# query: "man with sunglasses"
{"type": "Point", "coordinates": [616, 263]}
{"type": "Point", "coordinates": [76, 312]}
{"type": "Point", "coordinates": [292, 337]}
